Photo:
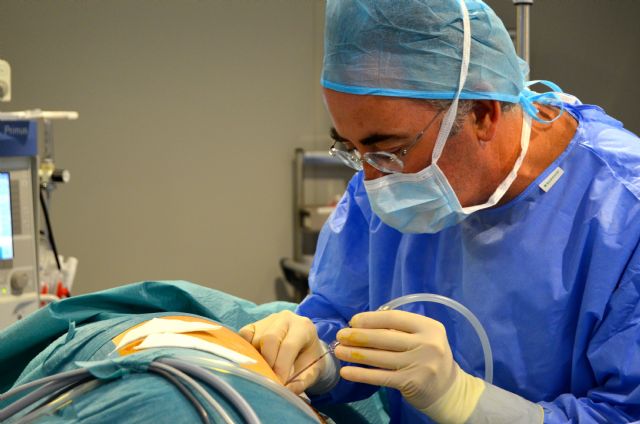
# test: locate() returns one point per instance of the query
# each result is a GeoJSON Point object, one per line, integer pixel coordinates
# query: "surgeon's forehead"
{"type": "Point", "coordinates": [374, 103]}
{"type": "Point", "coordinates": [374, 113]}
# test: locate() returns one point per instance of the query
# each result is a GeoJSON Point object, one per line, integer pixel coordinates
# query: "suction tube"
{"type": "Point", "coordinates": [459, 307]}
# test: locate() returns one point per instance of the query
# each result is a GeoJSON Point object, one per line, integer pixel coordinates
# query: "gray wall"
{"type": "Point", "coordinates": [190, 111]}
{"type": "Point", "coordinates": [189, 115]}
{"type": "Point", "coordinates": [590, 48]}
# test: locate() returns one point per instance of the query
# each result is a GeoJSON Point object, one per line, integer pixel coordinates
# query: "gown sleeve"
{"type": "Point", "coordinates": [338, 280]}
{"type": "Point", "coordinates": [614, 356]}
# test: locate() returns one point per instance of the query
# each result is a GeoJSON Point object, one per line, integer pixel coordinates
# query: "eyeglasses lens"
{"type": "Point", "coordinates": [350, 158]}
{"type": "Point", "coordinates": [385, 162]}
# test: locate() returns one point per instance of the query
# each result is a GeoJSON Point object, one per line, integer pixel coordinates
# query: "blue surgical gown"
{"type": "Point", "coordinates": [554, 277]}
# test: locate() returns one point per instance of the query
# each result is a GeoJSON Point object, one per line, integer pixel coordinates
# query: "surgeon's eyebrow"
{"type": "Point", "coordinates": [333, 133]}
{"type": "Point", "coordinates": [370, 139]}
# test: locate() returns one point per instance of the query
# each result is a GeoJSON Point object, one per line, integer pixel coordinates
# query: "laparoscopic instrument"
{"type": "Point", "coordinates": [432, 298]}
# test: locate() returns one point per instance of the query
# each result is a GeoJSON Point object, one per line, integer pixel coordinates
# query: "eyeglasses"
{"type": "Point", "coordinates": [389, 163]}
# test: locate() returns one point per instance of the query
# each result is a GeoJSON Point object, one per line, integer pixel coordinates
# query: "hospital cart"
{"type": "Point", "coordinates": [319, 180]}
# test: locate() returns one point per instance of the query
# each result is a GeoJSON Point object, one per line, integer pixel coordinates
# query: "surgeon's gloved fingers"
{"type": "Point", "coordinates": [415, 387]}
{"type": "Point", "coordinates": [248, 332]}
{"type": "Point", "coordinates": [377, 338]}
{"type": "Point", "coordinates": [254, 331]}
{"type": "Point", "coordinates": [374, 357]}
{"type": "Point", "coordinates": [271, 341]}
{"type": "Point", "coordinates": [375, 377]}
{"type": "Point", "coordinates": [298, 386]}
{"type": "Point", "coordinates": [393, 319]}
{"type": "Point", "coordinates": [308, 377]}
{"type": "Point", "coordinates": [300, 340]}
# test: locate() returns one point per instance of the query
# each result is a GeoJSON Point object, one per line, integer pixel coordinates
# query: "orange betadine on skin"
{"type": "Point", "coordinates": [221, 336]}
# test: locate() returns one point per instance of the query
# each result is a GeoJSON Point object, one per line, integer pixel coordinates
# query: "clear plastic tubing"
{"type": "Point", "coordinates": [459, 307]}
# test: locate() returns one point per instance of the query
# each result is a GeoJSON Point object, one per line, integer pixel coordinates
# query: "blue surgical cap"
{"type": "Point", "coordinates": [413, 48]}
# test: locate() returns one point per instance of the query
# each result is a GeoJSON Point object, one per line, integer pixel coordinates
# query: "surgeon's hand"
{"type": "Point", "coordinates": [410, 353]}
{"type": "Point", "coordinates": [288, 342]}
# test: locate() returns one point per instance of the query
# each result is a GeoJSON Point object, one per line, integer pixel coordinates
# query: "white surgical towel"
{"type": "Point", "coordinates": [161, 325]}
{"type": "Point", "coordinates": [183, 340]}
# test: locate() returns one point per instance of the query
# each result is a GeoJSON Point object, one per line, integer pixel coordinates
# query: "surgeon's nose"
{"type": "Point", "coordinates": [370, 172]}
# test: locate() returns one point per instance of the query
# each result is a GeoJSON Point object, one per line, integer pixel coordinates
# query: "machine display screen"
{"type": "Point", "coordinates": [6, 232]}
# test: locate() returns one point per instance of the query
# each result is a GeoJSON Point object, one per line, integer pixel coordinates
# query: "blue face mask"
{"type": "Point", "coordinates": [425, 202]}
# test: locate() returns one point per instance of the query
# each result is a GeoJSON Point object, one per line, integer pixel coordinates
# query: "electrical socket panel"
{"type": "Point", "coordinates": [5, 81]}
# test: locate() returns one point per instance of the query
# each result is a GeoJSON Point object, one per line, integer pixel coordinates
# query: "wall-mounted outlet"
{"type": "Point", "coordinates": [5, 81]}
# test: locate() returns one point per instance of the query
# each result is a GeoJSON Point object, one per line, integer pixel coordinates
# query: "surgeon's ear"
{"type": "Point", "coordinates": [486, 114]}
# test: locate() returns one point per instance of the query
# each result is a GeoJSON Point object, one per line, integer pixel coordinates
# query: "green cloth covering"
{"type": "Point", "coordinates": [59, 336]}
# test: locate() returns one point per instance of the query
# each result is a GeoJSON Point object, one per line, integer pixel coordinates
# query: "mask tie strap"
{"type": "Point", "coordinates": [553, 97]}
{"type": "Point", "coordinates": [509, 179]}
{"type": "Point", "coordinates": [450, 116]}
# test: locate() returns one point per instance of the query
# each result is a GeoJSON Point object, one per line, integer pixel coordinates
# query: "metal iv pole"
{"type": "Point", "coordinates": [523, 9]}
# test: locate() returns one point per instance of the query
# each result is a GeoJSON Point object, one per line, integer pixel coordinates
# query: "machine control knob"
{"type": "Point", "coordinates": [19, 282]}
{"type": "Point", "coordinates": [61, 176]}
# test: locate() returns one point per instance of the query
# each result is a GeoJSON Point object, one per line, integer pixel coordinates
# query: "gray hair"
{"type": "Point", "coordinates": [464, 107]}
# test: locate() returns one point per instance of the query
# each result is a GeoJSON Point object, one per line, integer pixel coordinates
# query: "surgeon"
{"type": "Point", "coordinates": [522, 206]}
